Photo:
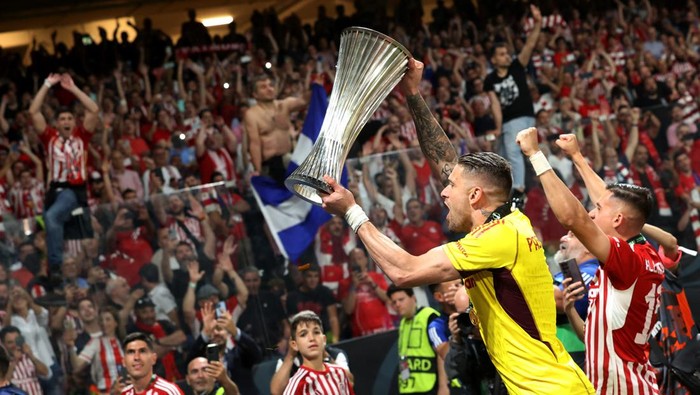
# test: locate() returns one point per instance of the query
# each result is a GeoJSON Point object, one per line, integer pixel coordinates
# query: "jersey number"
{"type": "Point", "coordinates": [651, 299]}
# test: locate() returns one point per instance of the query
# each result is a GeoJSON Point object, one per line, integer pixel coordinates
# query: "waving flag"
{"type": "Point", "coordinates": [294, 222]}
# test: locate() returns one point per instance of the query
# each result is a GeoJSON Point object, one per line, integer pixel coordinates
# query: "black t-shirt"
{"type": "Point", "coordinates": [316, 300]}
{"type": "Point", "coordinates": [512, 91]}
{"type": "Point", "coordinates": [263, 318]}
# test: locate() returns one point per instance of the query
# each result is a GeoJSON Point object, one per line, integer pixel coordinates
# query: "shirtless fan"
{"type": "Point", "coordinates": [370, 64]}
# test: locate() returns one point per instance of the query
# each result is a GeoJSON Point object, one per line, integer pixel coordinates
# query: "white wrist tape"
{"type": "Point", "coordinates": [355, 217]}
{"type": "Point", "coordinates": [47, 83]}
{"type": "Point", "coordinates": [540, 163]}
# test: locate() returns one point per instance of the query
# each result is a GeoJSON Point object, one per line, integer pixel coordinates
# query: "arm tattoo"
{"type": "Point", "coordinates": [433, 141]}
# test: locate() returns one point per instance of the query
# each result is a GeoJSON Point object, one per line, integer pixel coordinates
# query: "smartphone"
{"type": "Point", "coordinates": [356, 268]}
{"type": "Point", "coordinates": [212, 352]}
{"type": "Point", "coordinates": [220, 309]}
{"type": "Point", "coordinates": [463, 320]}
{"type": "Point", "coordinates": [19, 341]}
{"type": "Point", "coordinates": [246, 59]}
{"type": "Point", "coordinates": [570, 269]}
{"type": "Point", "coordinates": [68, 323]}
{"type": "Point", "coordinates": [123, 375]}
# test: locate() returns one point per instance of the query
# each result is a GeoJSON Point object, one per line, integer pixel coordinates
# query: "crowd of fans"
{"type": "Point", "coordinates": [173, 231]}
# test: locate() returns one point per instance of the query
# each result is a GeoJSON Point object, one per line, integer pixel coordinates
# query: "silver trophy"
{"type": "Point", "coordinates": [370, 64]}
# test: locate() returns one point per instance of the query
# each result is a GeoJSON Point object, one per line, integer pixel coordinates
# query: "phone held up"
{"type": "Point", "coordinates": [569, 268]}
{"type": "Point", "coordinates": [220, 309]}
{"type": "Point", "coordinates": [212, 352]}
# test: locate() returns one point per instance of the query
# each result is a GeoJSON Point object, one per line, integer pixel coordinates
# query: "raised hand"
{"type": "Point", "coordinates": [230, 246]}
{"type": "Point", "coordinates": [568, 144]}
{"type": "Point", "coordinates": [67, 82]}
{"type": "Point", "coordinates": [411, 80]}
{"type": "Point", "coordinates": [194, 272]}
{"type": "Point", "coordinates": [527, 140]}
{"type": "Point", "coordinates": [536, 14]}
{"type": "Point", "coordinates": [572, 292]}
{"type": "Point", "coordinates": [208, 319]}
{"type": "Point", "coordinates": [53, 79]}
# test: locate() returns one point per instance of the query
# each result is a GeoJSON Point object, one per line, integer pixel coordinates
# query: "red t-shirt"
{"type": "Point", "coordinates": [370, 314]}
{"type": "Point", "coordinates": [420, 239]}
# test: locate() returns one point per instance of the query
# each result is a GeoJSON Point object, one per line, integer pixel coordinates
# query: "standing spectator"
{"type": "Point", "coordinates": [333, 243]}
{"type": "Point", "coordinates": [167, 337]}
{"type": "Point", "coordinates": [312, 295]}
{"type": "Point", "coordinates": [27, 195]}
{"type": "Point", "coordinates": [66, 149]}
{"type": "Point", "coordinates": [6, 387]}
{"type": "Point", "coordinates": [26, 368]}
{"type": "Point", "coordinates": [139, 362]}
{"type": "Point", "coordinates": [269, 129]}
{"type": "Point", "coordinates": [264, 317]}
{"type": "Point", "coordinates": [32, 321]}
{"type": "Point", "coordinates": [214, 143]}
{"type": "Point", "coordinates": [510, 98]}
{"type": "Point", "coordinates": [130, 239]}
{"type": "Point", "coordinates": [166, 307]}
{"type": "Point", "coordinates": [125, 178]}
{"type": "Point", "coordinates": [420, 235]}
{"type": "Point", "coordinates": [364, 297]}
{"type": "Point", "coordinates": [102, 354]}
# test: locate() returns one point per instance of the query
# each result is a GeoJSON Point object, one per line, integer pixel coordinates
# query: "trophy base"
{"type": "Point", "coordinates": [307, 188]}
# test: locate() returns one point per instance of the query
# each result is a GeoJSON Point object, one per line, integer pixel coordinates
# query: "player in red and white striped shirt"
{"type": "Point", "coordinates": [314, 376]}
{"type": "Point", "coordinates": [624, 297]}
{"type": "Point", "coordinates": [66, 152]}
{"type": "Point", "coordinates": [139, 361]}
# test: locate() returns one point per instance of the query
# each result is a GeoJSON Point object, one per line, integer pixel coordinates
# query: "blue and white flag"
{"type": "Point", "coordinates": [293, 221]}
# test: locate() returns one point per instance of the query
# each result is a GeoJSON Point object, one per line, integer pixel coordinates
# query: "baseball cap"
{"type": "Point", "coordinates": [144, 301]}
{"type": "Point", "coordinates": [207, 291]}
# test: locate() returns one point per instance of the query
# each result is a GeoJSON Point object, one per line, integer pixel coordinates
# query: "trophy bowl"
{"type": "Point", "coordinates": [370, 65]}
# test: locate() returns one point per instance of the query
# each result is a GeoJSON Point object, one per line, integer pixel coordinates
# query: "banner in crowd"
{"type": "Point", "coordinates": [183, 52]}
{"type": "Point", "coordinates": [293, 222]}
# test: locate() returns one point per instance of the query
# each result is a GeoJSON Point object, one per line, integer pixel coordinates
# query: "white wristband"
{"type": "Point", "coordinates": [355, 217]}
{"type": "Point", "coordinates": [47, 83]}
{"type": "Point", "coordinates": [540, 163]}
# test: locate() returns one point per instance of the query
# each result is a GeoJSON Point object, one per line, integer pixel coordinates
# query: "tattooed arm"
{"type": "Point", "coordinates": [436, 147]}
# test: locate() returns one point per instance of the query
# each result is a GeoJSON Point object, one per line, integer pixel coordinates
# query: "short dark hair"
{"type": "Point", "coordinates": [305, 316]}
{"type": "Point", "coordinates": [500, 44]}
{"type": "Point", "coordinates": [63, 109]}
{"type": "Point", "coordinates": [491, 168]}
{"type": "Point", "coordinates": [149, 272]}
{"type": "Point", "coordinates": [639, 198]}
{"type": "Point", "coordinates": [394, 289]}
{"type": "Point", "coordinates": [4, 361]}
{"type": "Point", "coordinates": [258, 78]}
{"type": "Point", "coordinates": [6, 330]}
{"type": "Point", "coordinates": [138, 336]}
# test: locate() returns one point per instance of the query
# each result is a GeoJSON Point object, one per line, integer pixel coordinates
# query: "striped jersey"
{"type": "Point", "coordinates": [503, 267]}
{"type": "Point", "coordinates": [157, 386]}
{"type": "Point", "coordinates": [24, 376]}
{"type": "Point", "coordinates": [66, 158]}
{"type": "Point", "coordinates": [624, 302]}
{"type": "Point", "coordinates": [103, 354]}
{"type": "Point", "coordinates": [333, 381]}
